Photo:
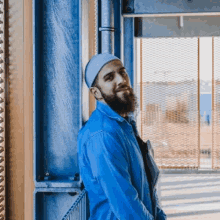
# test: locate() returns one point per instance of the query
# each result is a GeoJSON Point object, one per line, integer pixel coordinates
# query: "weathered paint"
{"type": "Point", "coordinates": [57, 89]}
{"type": "Point", "coordinates": [57, 105]}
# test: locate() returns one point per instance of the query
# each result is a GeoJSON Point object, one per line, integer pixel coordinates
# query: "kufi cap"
{"type": "Point", "coordinates": [95, 65]}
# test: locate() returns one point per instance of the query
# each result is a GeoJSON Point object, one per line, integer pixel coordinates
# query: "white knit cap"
{"type": "Point", "coordinates": [95, 65]}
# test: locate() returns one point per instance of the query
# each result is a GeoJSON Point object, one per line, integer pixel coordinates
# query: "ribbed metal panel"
{"type": "Point", "coordinates": [93, 28]}
{"type": "Point", "coordinates": [169, 91]}
{"type": "Point", "coordinates": [78, 209]}
{"type": "Point", "coordinates": [2, 113]}
{"type": "Point", "coordinates": [93, 42]}
{"type": "Point", "coordinates": [216, 103]}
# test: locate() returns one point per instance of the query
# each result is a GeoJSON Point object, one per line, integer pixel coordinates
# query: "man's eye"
{"type": "Point", "coordinates": [110, 78]}
{"type": "Point", "coordinates": [123, 73]}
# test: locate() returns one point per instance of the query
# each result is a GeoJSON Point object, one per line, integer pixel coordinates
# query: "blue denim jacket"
{"type": "Point", "coordinates": [112, 169]}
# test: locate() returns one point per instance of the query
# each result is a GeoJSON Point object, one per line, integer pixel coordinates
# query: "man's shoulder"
{"type": "Point", "coordinates": [98, 123]}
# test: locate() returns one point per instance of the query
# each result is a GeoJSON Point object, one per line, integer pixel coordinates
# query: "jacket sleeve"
{"type": "Point", "coordinates": [109, 164]}
{"type": "Point", "coordinates": [160, 213]}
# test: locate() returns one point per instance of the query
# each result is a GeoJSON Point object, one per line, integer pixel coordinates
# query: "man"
{"type": "Point", "coordinates": [112, 165]}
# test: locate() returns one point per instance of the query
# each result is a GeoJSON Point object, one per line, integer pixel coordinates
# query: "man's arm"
{"type": "Point", "coordinates": [110, 166]}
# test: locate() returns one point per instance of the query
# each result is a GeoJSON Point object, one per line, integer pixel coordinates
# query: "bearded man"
{"type": "Point", "coordinates": [118, 174]}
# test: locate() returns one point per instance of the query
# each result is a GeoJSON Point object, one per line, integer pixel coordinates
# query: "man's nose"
{"type": "Point", "coordinates": [120, 79]}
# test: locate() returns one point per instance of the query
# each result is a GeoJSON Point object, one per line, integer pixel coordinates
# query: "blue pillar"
{"type": "Point", "coordinates": [129, 47]}
{"type": "Point", "coordinates": [107, 16]}
{"type": "Point", "coordinates": [57, 104]}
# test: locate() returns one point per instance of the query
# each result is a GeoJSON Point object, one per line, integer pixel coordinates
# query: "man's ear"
{"type": "Point", "coordinates": [96, 93]}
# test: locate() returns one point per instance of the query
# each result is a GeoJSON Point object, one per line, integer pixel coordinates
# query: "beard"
{"type": "Point", "coordinates": [122, 105]}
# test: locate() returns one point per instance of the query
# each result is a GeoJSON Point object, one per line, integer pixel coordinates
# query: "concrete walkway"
{"type": "Point", "coordinates": [190, 196]}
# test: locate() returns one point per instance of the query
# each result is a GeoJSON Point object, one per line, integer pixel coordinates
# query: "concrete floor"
{"type": "Point", "coordinates": [190, 196]}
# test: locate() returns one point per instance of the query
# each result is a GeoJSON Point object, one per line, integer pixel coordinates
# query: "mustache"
{"type": "Point", "coordinates": [122, 88]}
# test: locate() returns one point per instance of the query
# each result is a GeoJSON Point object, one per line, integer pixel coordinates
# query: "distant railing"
{"type": "Point", "coordinates": [78, 210]}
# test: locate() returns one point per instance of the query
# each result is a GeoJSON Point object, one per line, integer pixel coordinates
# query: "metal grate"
{"type": "Point", "coordinates": [169, 101]}
{"type": "Point", "coordinates": [78, 210]}
{"type": "Point", "coordinates": [216, 103]}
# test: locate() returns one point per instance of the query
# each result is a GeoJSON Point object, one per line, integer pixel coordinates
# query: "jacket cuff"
{"type": "Point", "coordinates": [160, 214]}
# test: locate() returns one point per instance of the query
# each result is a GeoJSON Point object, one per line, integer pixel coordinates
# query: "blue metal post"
{"type": "Point", "coordinates": [129, 47]}
{"type": "Point", "coordinates": [107, 15]}
{"type": "Point", "coordinates": [117, 26]}
{"type": "Point", "coordinates": [57, 89]}
{"type": "Point", "coordinates": [57, 105]}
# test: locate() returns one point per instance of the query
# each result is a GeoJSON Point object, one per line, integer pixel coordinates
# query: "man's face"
{"type": "Point", "coordinates": [114, 85]}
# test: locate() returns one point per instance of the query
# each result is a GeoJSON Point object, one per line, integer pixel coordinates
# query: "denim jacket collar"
{"type": "Point", "coordinates": [106, 109]}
